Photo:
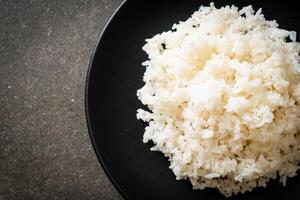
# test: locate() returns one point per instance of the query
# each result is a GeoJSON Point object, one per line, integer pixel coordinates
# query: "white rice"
{"type": "Point", "coordinates": [223, 88]}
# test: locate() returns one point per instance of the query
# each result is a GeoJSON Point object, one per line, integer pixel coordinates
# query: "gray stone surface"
{"type": "Point", "coordinates": [45, 151]}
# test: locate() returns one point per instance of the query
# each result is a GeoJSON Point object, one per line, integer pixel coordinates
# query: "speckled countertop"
{"type": "Point", "coordinates": [45, 150]}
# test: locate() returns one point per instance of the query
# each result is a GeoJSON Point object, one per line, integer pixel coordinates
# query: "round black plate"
{"type": "Point", "coordinates": [115, 73]}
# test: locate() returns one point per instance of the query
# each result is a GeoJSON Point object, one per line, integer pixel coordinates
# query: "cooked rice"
{"type": "Point", "coordinates": [223, 88]}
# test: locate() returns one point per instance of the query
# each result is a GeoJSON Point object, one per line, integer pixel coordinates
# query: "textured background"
{"type": "Point", "coordinates": [45, 151]}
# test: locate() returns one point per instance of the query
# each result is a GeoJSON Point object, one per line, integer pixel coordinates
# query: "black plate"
{"type": "Point", "coordinates": [115, 73]}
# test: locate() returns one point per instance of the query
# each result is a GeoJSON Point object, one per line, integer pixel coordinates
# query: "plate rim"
{"type": "Point", "coordinates": [86, 102]}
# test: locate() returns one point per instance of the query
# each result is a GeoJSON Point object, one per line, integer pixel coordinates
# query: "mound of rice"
{"type": "Point", "coordinates": [223, 88]}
